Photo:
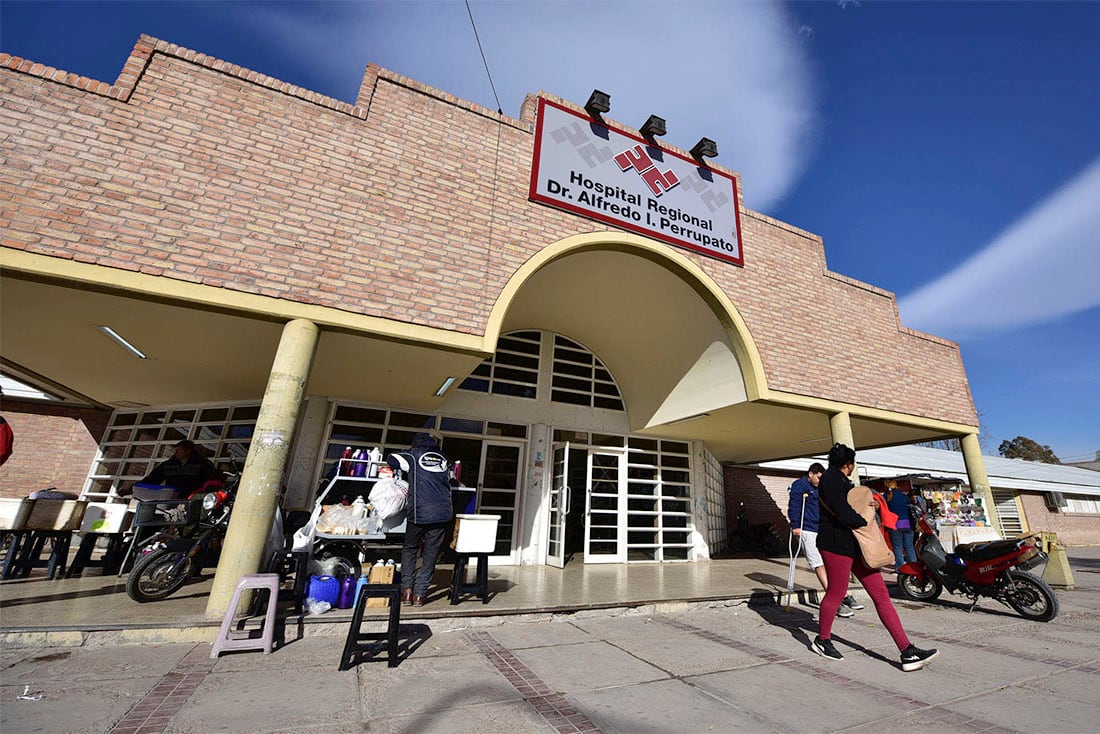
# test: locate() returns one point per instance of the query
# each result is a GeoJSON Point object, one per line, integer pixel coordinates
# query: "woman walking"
{"type": "Point", "coordinates": [841, 554]}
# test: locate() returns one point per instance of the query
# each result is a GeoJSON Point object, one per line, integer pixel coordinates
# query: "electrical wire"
{"type": "Point", "coordinates": [500, 110]}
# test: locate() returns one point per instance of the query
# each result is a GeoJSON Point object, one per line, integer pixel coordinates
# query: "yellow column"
{"type": "Point", "coordinates": [258, 493]}
{"type": "Point", "coordinates": [840, 425]}
{"type": "Point", "coordinates": [979, 480]}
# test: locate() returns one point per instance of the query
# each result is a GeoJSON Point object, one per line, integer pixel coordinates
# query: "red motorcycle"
{"type": "Point", "coordinates": [996, 569]}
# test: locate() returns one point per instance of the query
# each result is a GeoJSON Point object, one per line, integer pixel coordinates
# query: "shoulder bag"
{"type": "Point", "coordinates": [872, 545]}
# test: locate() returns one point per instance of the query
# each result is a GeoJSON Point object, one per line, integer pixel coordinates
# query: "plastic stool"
{"type": "Point", "coordinates": [230, 639]}
{"type": "Point", "coordinates": [480, 587]}
{"type": "Point", "coordinates": [353, 643]}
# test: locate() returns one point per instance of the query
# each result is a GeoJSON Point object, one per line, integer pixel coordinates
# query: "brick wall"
{"type": "Point", "coordinates": [198, 170]}
{"type": "Point", "coordinates": [1072, 528]}
{"type": "Point", "coordinates": [765, 497]}
{"type": "Point", "coordinates": [54, 446]}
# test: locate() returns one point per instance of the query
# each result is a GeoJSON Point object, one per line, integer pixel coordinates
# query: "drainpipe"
{"type": "Point", "coordinates": [258, 492]}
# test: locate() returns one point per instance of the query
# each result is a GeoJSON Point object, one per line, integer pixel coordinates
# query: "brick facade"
{"type": "Point", "coordinates": [1072, 528]}
{"type": "Point", "coordinates": [55, 446]}
{"type": "Point", "coordinates": [765, 497]}
{"type": "Point", "coordinates": [198, 170]}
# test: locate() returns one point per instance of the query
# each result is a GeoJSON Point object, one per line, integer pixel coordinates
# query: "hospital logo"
{"type": "Point", "coordinates": [637, 158]}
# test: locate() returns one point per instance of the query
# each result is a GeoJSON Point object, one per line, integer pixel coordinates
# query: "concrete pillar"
{"type": "Point", "coordinates": [840, 425]}
{"type": "Point", "coordinates": [258, 494]}
{"type": "Point", "coordinates": [978, 479]}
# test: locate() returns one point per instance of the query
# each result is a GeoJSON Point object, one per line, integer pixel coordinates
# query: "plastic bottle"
{"type": "Point", "coordinates": [375, 460]}
{"type": "Point", "coordinates": [363, 581]}
{"type": "Point", "coordinates": [359, 515]}
{"type": "Point", "coordinates": [345, 461]}
{"type": "Point", "coordinates": [347, 592]}
{"type": "Point", "coordinates": [357, 457]}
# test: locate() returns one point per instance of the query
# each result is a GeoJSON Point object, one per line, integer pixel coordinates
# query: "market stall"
{"type": "Point", "coordinates": [959, 516]}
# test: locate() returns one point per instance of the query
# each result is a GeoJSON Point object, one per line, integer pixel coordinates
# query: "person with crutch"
{"type": "Point", "coordinates": [803, 512]}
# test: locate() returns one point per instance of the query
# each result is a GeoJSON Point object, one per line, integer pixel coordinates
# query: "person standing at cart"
{"type": "Point", "coordinates": [186, 470]}
{"type": "Point", "coordinates": [429, 514]}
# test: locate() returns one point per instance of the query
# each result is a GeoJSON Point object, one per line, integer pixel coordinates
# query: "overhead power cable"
{"type": "Point", "coordinates": [500, 110]}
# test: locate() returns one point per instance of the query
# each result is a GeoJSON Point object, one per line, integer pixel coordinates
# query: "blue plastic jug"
{"type": "Point", "coordinates": [363, 581]}
{"type": "Point", "coordinates": [324, 588]}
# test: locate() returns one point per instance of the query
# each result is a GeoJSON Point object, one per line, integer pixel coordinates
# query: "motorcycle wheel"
{"type": "Point", "coordinates": [914, 589]}
{"type": "Point", "coordinates": [348, 559]}
{"type": "Point", "coordinates": [1033, 599]}
{"type": "Point", "coordinates": [152, 578]}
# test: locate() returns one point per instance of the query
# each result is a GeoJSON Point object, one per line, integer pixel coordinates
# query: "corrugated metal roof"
{"type": "Point", "coordinates": [1003, 473]}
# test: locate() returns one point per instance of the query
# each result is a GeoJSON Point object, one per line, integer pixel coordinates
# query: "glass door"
{"type": "Point", "coordinates": [603, 507]}
{"type": "Point", "coordinates": [558, 507]}
{"type": "Point", "coordinates": [498, 490]}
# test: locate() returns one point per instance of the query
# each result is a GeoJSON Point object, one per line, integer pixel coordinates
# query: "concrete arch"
{"type": "Point", "coordinates": [752, 369]}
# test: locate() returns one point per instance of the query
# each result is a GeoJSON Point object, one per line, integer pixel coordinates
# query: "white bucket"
{"type": "Point", "coordinates": [476, 533]}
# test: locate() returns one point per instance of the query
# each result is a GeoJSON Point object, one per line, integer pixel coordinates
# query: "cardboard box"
{"type": "Point", "coordinates": [380, 575]}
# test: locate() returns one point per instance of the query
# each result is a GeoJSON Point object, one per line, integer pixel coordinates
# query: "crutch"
{"type": "Point", "coordinates": [794, 553]}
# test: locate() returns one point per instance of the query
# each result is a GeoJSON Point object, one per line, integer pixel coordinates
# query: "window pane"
{"type": "Point", "coordinates": [360, 415]}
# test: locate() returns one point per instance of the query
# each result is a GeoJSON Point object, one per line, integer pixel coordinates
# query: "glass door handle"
{"type": "Point", "coordinates": [567, 499]}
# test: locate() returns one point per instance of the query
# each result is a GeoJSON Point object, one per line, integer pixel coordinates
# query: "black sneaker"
{"type": "Point", "coordinates": [844, 612]}
{"type": "Point", "coordinates": [825, 649]}
{"type": "Point", "coordinates": [913, 658]}
{"type": "Point", "coordinates": [850, 602]}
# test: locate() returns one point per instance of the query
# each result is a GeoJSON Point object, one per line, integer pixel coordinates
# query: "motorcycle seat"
{"type": "Point", "coordinates": [985, 550]}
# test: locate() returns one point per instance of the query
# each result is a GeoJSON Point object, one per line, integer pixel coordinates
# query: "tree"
{"type": "Point", "coordinates": [1023, 447]}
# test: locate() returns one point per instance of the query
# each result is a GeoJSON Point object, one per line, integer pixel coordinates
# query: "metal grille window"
{"type": "Point", "coordinates": [1008, 514]}
{"type": "Point", "coordinates": [513, 370]}
{"type": "Point", "coordinates": [579, 378]}
{"type": "Point", "coordinates": [658, 500]}
{"type": "Point", "coordinates": [136, 441]}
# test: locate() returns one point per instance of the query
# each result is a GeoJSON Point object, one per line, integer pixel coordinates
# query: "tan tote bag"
{"type": "Point", "coordinates": [872, 544]}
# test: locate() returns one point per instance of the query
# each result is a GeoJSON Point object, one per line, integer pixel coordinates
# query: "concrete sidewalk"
{"type": "Point", "coordinates": [735, 664]}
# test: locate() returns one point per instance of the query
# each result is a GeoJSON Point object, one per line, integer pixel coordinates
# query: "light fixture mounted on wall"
{"type": "Point", "coordinates": [598, 103]}
{"type": "Point", "coordinates": [444, 387]}
{"type": "Point", "coordinates": [653, 127]}
{"type": "Point", "coordinates": [705, 148]}
{"type": "Point", "coordinates": [121, 342]}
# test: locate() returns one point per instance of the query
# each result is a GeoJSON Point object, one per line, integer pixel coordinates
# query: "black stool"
{"type": "Point", "coordinates": [480, 587]}
{"type": "Point", "coordinates": [26, 550]}
{"type": "Point", "coordinates": [355, 637]}
{"type": "Point", "coordinates": [110, 560]}
{"type": "Point", "coordinates": [285, 563]}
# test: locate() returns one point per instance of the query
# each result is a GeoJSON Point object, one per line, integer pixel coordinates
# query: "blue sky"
{"type": "Point", "coordinates": [948, 152]}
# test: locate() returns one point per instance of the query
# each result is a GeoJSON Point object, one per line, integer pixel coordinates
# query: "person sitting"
{"type": "Point", "coordinates": [186, 470]}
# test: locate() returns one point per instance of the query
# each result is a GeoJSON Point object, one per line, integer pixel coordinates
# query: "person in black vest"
{"type": "Point", "coordinates": [430, 513]}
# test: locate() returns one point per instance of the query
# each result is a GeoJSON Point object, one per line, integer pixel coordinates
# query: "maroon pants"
{"type": "Point", "coordinates": [837, 569]}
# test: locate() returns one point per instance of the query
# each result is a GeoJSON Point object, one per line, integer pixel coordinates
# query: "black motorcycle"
{"type": "Point", "coordinates": [169, 559]}
{"type": "Point", "coordinates": [761, 538]}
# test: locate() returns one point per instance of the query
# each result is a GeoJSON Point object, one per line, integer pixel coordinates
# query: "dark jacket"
{"type": "Point", "coordinates": [186, 476]}
{"type": "Point", "coordinates": [798, 519]}
{"type": "Point", "coordinates": [428, 472]}
{"type": "Point", "coordinates": [837, 516]}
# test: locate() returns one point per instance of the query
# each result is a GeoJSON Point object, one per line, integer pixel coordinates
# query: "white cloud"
{"type": "Point", "coordinates": [1044, 266]}
{"type": "Point", "coordinates": [733, 72]}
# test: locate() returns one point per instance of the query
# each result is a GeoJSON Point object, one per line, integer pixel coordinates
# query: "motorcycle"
{"type": "Point", "coordinates": [997, 569]}
{"type": "Point", "coordinates": [167, 560]}
{"type": "Point", "coordinates": [759, 538]}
